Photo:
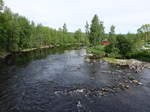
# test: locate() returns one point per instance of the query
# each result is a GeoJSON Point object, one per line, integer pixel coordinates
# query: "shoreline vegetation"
{"type": "Point", "coordinates": [127, 62]}
{"type": "Point", "coordinates": [3, 55]}
{"type": "Point", "coordinates": [18, 34]}
{"type": "Point", "coordinates": [133, 64]}
{"type": "Point", "coordinates": [134, 60]}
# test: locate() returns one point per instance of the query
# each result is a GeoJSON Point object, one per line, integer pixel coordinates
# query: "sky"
{"type": "Point", "coordinates": [126, 15]}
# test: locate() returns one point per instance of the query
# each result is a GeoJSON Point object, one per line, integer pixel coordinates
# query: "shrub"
{"type": "Point", "coordinates": [122, 46]}
{"type": "Point", "coordinates": [98, 50]}
{"type": "Point", "coordinates": [142, 55]}
{"type": "Point", "coordinates": [112, 51]}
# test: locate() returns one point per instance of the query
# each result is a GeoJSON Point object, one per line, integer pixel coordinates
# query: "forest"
{"type": "Point", "coordinates": [91, 68]}
{"type": "Point", "coordinates": [17, 33]}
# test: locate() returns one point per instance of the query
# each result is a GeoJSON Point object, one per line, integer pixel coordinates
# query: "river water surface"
{"type": "Point", "coordinates": [64, 81]}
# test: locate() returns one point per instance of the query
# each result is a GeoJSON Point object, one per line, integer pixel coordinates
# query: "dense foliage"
{"type": "Point", "coordinates": [143, 55]}
{"type": "Point", "coordinates": [96, 33]}
{"type": "Point", "coordinates": [121, 46]}
{"type": "Point", "coordinates": [144, 32]}
{"type": "Point", "coordinates": [18, 33]}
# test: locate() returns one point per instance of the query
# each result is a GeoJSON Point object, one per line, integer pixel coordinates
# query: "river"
{"type": "Point", "coordinates": [63, 81]}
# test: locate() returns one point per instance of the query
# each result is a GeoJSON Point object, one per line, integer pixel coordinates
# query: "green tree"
{"type": "Point", "coordinates": [96, 31]}
{"type": "Point", "coordinates": [87, 33]}
{"type": "Point", "coordinates": [112, 36]}
{"type": "Point", "coordinates": [65, 28]}
{"type": "Point", "coordinates": [1, 5]}
{"type": "Point", "coordinates": [87, 29]}
{"type": "Point", "coordinates": [78, 35]}
{"type": "Point", "coordinates": [64, 32]}
{"type": "Point", "coordinates": [7, 30]}
{"type": "Point", "coordinates": [112, 30]}
{"type": "Point", "coordinates": [18, 33]}
{"type": "Point", "coordinates": [124, 45]}
{"type": "Point", "coordinates": [144, 32]}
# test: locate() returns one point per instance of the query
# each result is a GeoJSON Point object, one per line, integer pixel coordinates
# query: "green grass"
{"type": "Point", "coordinates": [113, 60]}
{"type": "Point", "coordinates": [97, 50]}
{"type": "Point", "coordinates": [147, 46]}
{"type": "Point", "coordinates": [117, 61]}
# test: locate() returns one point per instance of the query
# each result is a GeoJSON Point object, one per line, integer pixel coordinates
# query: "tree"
{"type": "Point", "coordinates": [137, 43]}
{"type": "Point", "coordinates": [7, 30]}
{"type": "Point", "coordinates": [144, 32]}
{"type": "Point", "coordinates": [18, 33]}
{"type": "Point", "coordinates": [112, 30]}
{"type": "Point", "coordinates": [112, 34]}
{"type": "Point", "coordinates": [78, 35]}
{"type": "Point", "coordinates": [96, 31]}
{"type": "Point", "coordinates": [64, 28]}
{"type": "Point", "coordinates": [102, 31]}
{"type": "Point", "coordinates": [87, 33]}
{"type": "Point", "coordinates": [124, 45]}
{"type": "Point", "coordinates": [87, 29]}
{"type": "Point", "coordinates": [64, 32]}
{"type": "Point", "coordinates": [25, 30]}
{"type": "Point", "coordinates": [1, 5]}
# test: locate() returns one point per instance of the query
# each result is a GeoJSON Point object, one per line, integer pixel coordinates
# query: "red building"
{"type": "Point", "coordinates": [105, 43]}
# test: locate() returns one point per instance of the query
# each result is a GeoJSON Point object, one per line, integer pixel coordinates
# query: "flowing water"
{"type": "Point", "coordinates": [64, 81]}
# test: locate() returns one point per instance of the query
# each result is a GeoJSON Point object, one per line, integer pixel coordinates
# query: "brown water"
{"type": "Point", "coordinates": [61, 81]}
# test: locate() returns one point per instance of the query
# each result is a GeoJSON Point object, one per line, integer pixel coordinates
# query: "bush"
{"type": "Point", "coordinates": [98, 50]}
{"type": "Point", "coordinates": [112, 51]}
{"type": "Point", "coordinates": [143, 55]}
{"type": "Point", "coordinates": [122, 46]}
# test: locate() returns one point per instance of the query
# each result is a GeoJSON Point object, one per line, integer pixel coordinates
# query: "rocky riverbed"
{"type": "Point", "coordinates": [66, 81]}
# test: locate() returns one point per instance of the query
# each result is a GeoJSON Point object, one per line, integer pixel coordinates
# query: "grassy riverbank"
{"type": "Point", "coordinates": [113, 53]}
{"type": "Point", "coordinates": [98, 51]}
{"type": "Point", "coordinates": [118, 61]}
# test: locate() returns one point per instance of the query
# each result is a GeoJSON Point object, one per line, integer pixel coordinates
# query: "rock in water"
{"type": "Point", "coordinates": [80, 90]}
{"type": "Point", "coordinates": [87, 60]}
{"type": "Point", "coordinates": [79, 104]}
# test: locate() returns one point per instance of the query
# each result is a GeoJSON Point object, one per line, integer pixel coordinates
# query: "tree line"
{"type": "Point", "coordinates": [120, 45]}
{"type": "Point", "coordinates": [18, 33]}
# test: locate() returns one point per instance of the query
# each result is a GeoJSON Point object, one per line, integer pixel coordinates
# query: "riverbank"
{"type": "Point", "coordinates": [32, 49]}
{"type": "Point", "coordinates": [134, 64]}
{"type": "Point", "coordinates": [3, 55]}
{"type": "Point", "coordinates": [137, 60]}
{"type": "Point", "coordinates": [125, 62]}
{"type": "Point", "coordinates": [51, 46]}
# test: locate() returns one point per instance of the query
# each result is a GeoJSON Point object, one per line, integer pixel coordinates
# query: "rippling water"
{"type": "Point", "coordinates": [63, 81]}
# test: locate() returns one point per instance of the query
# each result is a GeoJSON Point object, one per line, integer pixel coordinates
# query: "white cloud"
{"type": "Point", "coordinates": [126, 15]}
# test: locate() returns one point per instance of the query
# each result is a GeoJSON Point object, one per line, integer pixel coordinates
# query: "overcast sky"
{"type": "Point", "coordinates": [126, 15]}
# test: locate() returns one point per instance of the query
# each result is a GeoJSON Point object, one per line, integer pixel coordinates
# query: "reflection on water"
{"type": "Point", "coordinates": [58, 80]}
